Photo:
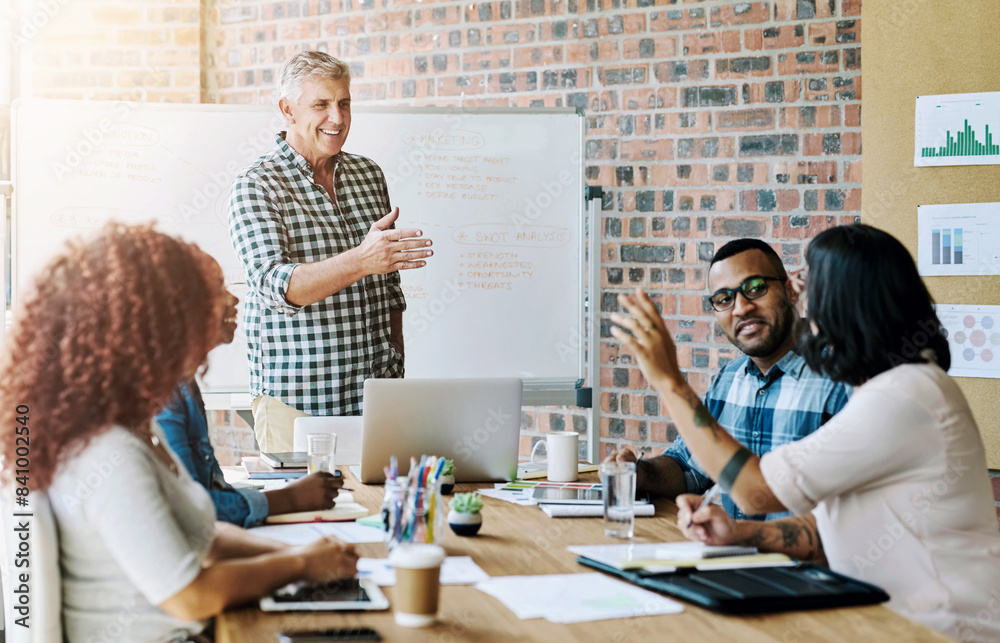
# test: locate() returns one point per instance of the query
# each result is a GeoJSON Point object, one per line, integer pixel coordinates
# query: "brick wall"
{"type": "Point", "coordinates": [108, 50]}
{"type": "Point", "coordinates": [707, 120]}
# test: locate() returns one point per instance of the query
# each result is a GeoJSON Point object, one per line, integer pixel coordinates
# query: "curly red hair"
{"type": "Point", "coordinates": [109, 329]}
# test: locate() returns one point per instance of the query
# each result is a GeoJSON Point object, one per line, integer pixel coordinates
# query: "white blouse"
{"type": "Point", "coordinates": [132, 533]}
{"type": "Point", "coordinates": [900, 490]}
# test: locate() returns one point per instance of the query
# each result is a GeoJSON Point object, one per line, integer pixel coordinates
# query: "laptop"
{"type": "Point", "coordinates": [475, 422]}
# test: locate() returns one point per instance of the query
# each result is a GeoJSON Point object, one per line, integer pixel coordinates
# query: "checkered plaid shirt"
{"type": "Point", "coordinates": [763, 412]}
{"type": "Point", "coordinates": [316, 357]}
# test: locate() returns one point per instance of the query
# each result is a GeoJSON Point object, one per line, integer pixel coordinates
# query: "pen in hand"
{"type": "Point", "coordinates": [709, 498]}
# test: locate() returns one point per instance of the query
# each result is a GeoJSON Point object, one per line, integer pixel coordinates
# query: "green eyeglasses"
{"type": "Point", "coordinates": [752, 288]}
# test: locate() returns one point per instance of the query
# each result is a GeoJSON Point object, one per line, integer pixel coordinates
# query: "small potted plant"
{"type": "Point", "coordinates": [448, 477]}
{"type": "Point", "coordinates": [464, 517]}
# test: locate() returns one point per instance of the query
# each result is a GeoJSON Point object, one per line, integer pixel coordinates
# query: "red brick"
{"type": "Point", "coordinates": [486, 59]}
{"type": "Point", "coordinates": [798, 226]}
{"type": "Point", "coordinates": [538, 56]}
{"type": "Point", "coordinates": [609, 353]}
{"type": "Point", "coordinates": [439, 15]}
{"type": "Point", "coordinates": [808, 172]}
{"type": "Point", "coordinates": [657, 47]}
{"type": "Point", "coordinates": [758, 91]}
{"type": "Point", "coordinates": [661, 20]}
{"type": "Point", "coordinates": [647, 150]}
{"type": "Point", "coordinates": [852, 115]}
{"type": "Point", "coordinates": [696, 44]}
{"type": "Point", "coordinates": [585, 53]}
{"type": "Point", "coordinates": [746, 119]}
{"type": "Point", "coordinates": [807, 62]}
{"type": "Point", "coordinates": [692, 306]}
{"type": "Point", "coordinates": [809, 116]}
{"type": "Point", "coordinates": [460, 85]}
{"type": "Point", "coordinates": [852, 171]}
{"type": "Point", "coordinates": [738, 15]}
{"type": "Point", "coordinates": [648, 98]}
{"type": "Point", "coordinates": [658, 433]}
{"type": "Point", "coordinates": [850, 143]}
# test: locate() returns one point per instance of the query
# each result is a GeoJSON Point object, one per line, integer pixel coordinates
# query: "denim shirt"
{"type": "Point", "coordinates": [185, 425]}
{"type": "Point", "coordinates": [763, 412]}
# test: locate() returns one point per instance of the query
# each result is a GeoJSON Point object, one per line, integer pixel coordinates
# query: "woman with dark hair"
{"type": "Point", "coordinates": [95, 350]}
{"type": "Point", "coordinates": [894, 489]}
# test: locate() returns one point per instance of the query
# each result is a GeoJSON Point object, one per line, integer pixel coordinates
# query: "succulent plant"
{"type": "Point", "coordinates": [448, 468]}
{"type": "Point", "coordinates": [468, 503]}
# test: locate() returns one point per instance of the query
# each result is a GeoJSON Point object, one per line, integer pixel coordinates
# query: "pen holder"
{"type": "Point", "coordinates": [416, 515]}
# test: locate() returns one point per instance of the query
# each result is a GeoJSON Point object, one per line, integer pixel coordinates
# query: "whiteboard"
{"type": "Point", "coordinates": [500, 192]}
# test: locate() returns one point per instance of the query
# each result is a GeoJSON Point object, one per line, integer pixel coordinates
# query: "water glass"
{"type": "Point", "coordinates": [618, 481]}
{"type": "Point", "coordinates": [321, 449]}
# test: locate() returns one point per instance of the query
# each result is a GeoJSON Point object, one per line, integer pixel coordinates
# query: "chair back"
{"type": "Point", "coordinates": [34, 590]}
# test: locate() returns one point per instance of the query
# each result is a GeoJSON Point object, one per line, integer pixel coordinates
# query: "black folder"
{"type": "Point", "coordinates": [754, 590]}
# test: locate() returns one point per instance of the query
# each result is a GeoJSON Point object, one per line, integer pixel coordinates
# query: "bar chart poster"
{"type": "Point", "coordinates": [958, 239]}
{"type": "Point", "coordinates": [973, 339]}
{"type": "Point", "coordinates": [957, 129]}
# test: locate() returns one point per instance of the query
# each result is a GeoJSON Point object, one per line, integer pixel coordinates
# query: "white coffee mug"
{"type": "Point", "coordinates": [562, 455]}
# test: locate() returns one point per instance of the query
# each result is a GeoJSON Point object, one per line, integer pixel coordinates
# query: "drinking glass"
{"type": "Point", "coordinates": [321, 449]}
{"type": "Point", "coordinates": [618, 481]}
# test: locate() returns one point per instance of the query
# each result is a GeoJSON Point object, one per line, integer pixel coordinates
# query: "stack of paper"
{"type": "Point", "coordinates": [588, 511]}
{"type": "Point", "coordinates": [305, 533]}
{"type": "Point", "coordinates": [575, 598]}
{"type": "Point", "coordinates": [257, 469]}
{"type": "Point", "coordinates": [456, 570]}
{"type": "Point", "coordinates": [669, 556]}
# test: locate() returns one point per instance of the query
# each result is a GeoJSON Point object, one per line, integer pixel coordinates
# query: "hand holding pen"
{"type": "Point", "coordinates": [709, 498]}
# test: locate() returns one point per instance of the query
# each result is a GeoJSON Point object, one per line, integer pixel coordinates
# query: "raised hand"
{"type": "Point", "coordinates": [647, 337]}
{"type": "Point", "coordinates": [385, 250]}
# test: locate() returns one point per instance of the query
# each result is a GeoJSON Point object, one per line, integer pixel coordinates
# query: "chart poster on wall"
{"type": "Point", "coordinates": [957, 129]}
{"type": "Point", "coordinates": [958, 239]}
{"type": "Point", "coordinates": [974, 339]}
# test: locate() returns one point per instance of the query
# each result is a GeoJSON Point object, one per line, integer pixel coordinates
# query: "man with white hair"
{"type": "Point", "coordinates": [313, 227]}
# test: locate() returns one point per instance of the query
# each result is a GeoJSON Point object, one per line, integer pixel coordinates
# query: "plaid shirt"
{"type": "Point", "coordinates": [316, 357]}
{"type": "Point", "coordinates": [763, 412]}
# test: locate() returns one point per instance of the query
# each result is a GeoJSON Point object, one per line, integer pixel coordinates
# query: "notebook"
{"type": "Point", "coordinates": [345, 509]}
{"type": "Point", "coordinates": [660, 555]}
{"type": "Point", "coordinates": [285, 460]}
{"type": "Point", "coordinates": [258, 470]}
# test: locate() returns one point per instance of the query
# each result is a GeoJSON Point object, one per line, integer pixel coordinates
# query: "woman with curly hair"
{"type": "Point", "coordinates": [111, 327]}
{"type": "Point", "coordinates": [893, 489]}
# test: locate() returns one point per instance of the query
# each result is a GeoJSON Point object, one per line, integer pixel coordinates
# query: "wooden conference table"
{"type": "Point", "coordinates": [519, 540]}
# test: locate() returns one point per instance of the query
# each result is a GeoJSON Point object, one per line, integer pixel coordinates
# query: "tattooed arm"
{"type": "Point", "coordinates": [649, 340]}
{"type": "Point", "coordinates": [797, 537]}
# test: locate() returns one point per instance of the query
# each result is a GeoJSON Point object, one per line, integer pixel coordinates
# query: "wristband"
{"type": "Point", "coordinates": [733, 468]}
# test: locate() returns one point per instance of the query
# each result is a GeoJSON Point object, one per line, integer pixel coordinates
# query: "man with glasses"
{"type": "Point", "coordinates": [764, 398]}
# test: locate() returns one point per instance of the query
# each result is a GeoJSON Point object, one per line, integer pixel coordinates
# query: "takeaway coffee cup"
{"type": "Point", "coordinates": [418, 571]}
{"type": "Point", "coordinates": [562, 448]}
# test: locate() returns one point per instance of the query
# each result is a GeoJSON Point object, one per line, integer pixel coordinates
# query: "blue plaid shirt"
{"type": "Point", "coordinates": [763, 412]}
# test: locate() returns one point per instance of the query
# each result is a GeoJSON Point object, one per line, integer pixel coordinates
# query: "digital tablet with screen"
{"type": "Point", "coordinates": [342, 595]}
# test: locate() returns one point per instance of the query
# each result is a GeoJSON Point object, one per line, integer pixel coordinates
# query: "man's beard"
{"type": "Point", "coordinates": [778, 332]}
